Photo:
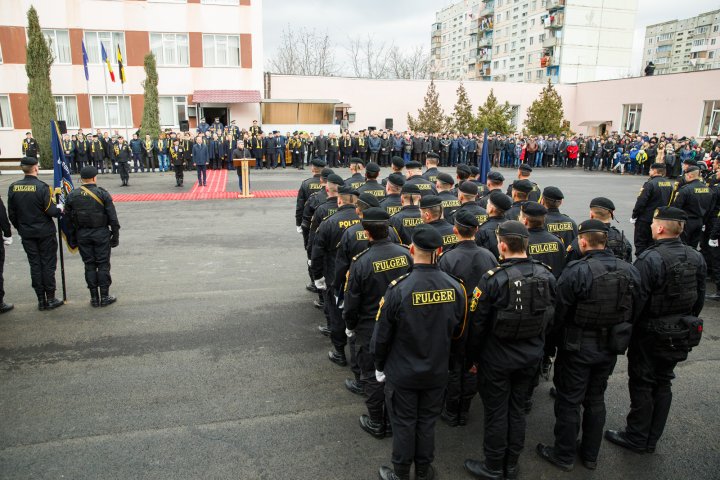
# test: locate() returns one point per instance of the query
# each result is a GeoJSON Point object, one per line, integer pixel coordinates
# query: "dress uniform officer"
{"type": "Point", "coordinates": [421, 316]}
{"type": "Point", "coordinates": [558, 223]}
{"type": "Point", "coordinates": [494, 182]}
{"type": "Point", "coordinates": [603, 209]}
{"type": "Point", "coordinates": [392, 203]}
{"type": "Point", "coordinates": [371, 272]}
{"type": "Point", "coordinates": [96, 229]}
{"type": "Point", "coordinates": [371, 185]}
{"type": "Point", "coordinates": [542, 245]}
{"type": "Point", "coordinates": [673, 287]}
{"type": "Point", "coordinates": [431, 214]}
{"type": "Point", "coordinates": [507, 332]}
{"type": "Point", "coordinates": [324, 252]}
{"type": "Point", "coordinates": [697, 200]}
{"type": "Point", "coordinates": [524, 171]}
{"type": "Point", "coordinates": [450, 203]}
{"type": "Point", "coordinates": [29, 146]}
{"type": "Point", "coordinates": [598, 299]}
{"type": "Point", "coordinates": [468, 262]}
{"type": "Point", "coordinates": [6, 240]}
{"type": "Point", "coordinates": [177, 159]}
{"type": "Point", "coordinates": [405, 221]}
{"type": "Point", "coordinates": [31, 209]}
{"type": "Point", "coordinates": [357, 179]}
{"type": "Point", "coordinates": [414, 177]}
{"type": "Point", "coordinates": [655, 193]}
{"type": "Point", "coordinates": [432, 172]}
{"type": "Point", "coordinates": [122, 156]}
{"type": "Point", "coordinates": [497, 204]}
{"type": "Point", "coordinates": [467, 195]}
{"type": "Point", "coordinates": [520, 191]}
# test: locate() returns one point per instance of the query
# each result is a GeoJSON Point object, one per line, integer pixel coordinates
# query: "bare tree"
{"type": "Point", "coordinates": [368, 59]}
{"type": "Point", "coordinates": [411, 65]}
{"type": "Point", "coordinates": [304, 52]}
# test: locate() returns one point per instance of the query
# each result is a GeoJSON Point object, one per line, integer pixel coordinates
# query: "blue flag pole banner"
{"type": "Point", "coordinates": [85, 60]}
{"type": "Point", "coordinates": [484, 160]}
{"type": "Point", "coordinates": [63, 181]}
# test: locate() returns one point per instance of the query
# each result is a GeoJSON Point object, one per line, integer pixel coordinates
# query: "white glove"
{"type": "Point", "coordinates": [379, 376]}
{"type": "Point", "coordinates": [299, 229]}
{"type": "Point", "coordinates": [309, 263]}
{"type": "Point", "coordinates": [320, 284]}
{"type": "Point", "coordinates": [349, 333]}
{"type": "Point", "coordinates": [712, 243]}
{"type": "Point", "coordinates": [633, 220]}
{"type": "Point", "coordinates": [8, 240]}
{"type": "Point", "coordinates": [61, 207]}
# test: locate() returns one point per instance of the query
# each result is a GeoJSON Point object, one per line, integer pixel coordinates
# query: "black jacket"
{"type": "Point", "coordinates": [405, 221]}
{"type": "Point", "coordinates": [486, 235]}
{"type": "Point", "coordinates": [656, 192]}
{"type": "Point", "coordinates": [307, 188]}
{"type": "Point", "coordinates": [560, 225]}
{"type": "Point", "coordinates": [547, 249]}
{"type": "Point", "coordinates": [31, 208]}
{"type": "Point", "coordinates": [326, 240]}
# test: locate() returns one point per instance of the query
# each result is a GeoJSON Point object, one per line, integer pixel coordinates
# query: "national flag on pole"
{"type": "Point", "coordinates": [120, 65]}
{"type": "Point", "coordinates": [107, 62]}
{"type": "Point", "coordinates": [63, 181]}
{"type": "Point", "coordinates": [85, 60]}
{"type": "Point", "coordinates": [484, 160]}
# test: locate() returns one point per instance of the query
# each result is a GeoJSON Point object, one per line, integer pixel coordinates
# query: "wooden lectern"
{"type": "Point", "coordinates": [244, 164]}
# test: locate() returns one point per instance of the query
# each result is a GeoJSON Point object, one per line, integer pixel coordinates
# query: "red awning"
{"type": "Point", "coordinates": [226, 96]}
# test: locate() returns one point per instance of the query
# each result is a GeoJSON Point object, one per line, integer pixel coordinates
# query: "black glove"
{"type": "Point", "coordinates": [115, 238]}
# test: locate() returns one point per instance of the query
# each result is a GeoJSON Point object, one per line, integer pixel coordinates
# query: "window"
{"type": "Point", "coordinates": [663, 48]}
{"type": "Point", "coordinates": [697, 43]}
{"type": "Point", "coordinates": [110, 40]}
{"type": "Point", "coordinates": [221, 50]}
{"type": "Point", "coordinates": [514, 114]}
{"type": "Point", "coordinates": [59, 42]}
{"type": "Point", "coordinates": [221, 2]}
{"type": "Point", "coordinates": [631, 117]}
{"type": "Point", "coordinates": [702, 29]}
{"type": "Point", "coordinates": [710, 120]}
{"type": "Point", "coordinates": [664, 37]}
{"type": "Point", "coordinates": [538, 73]}
{"type": "Point", "coordinates": [716, 28]}
{"type": "Point", "coordinates": [5, 115]}
{"type": "Point", "coordinates": [111, 111]}
{"type": "Point", "coordinates": [67, 110]}
{"type": "Point", "coordinates": [170, 49]}
{"type": "Point", "coordinates": [172, 110]}
{"type": "Point", "coordinates": [531, 40]}
{"type": "Point", "coordinates": [1, 58]}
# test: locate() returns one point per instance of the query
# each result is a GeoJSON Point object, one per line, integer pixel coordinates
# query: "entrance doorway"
{"type": "Point", "coordinates": [211, 112]}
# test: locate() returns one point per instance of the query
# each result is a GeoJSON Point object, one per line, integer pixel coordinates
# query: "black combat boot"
{"type": "Point", "coordinates": [42, 302]}
{"type": "Point", "coordinates": [338, 358]}
{"type": "Point", "coordinates": [449, 414]}
{"type": "Point", "coordinates": [464, 411]}
{"type": "Point", "coordinates": [52, 302]}
{"type": "Point", "coordinates": [6, 307]}
{"type": "Point", "coordinates": [485, 470]}
{"type": "Point", "coordinates": [399, 472]}
{"type": "Point", "coordinates": [424, 472]}
{"type": "Point", "coordinates": [94, 297]}
{"type": "Point", "coordinates": [105, 297]}
{"type": "Point", "coordinates": [376, 429]}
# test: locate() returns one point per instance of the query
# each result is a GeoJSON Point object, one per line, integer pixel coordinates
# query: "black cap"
{"type": "Point", "coordinates": [463, 169]}
{"type": "Point", "coordinates": [410, 189]}
{"type": "Point", "coordinates": [553, 193]}
{"type": "Point", "coordinates": [533, 209]}
{"type": "Point", "coordinates": [500, 200]}
{"type": "Point", "coordinates": [470, 188]}
{"type": "Point", "coordinates": [658, 166]}
{"type": "Point", "coordinates": [602, 202]}
{"type": "Point", "coordinates": [592, 225]}
{"type": "Point", "coordinates": [525, 186]}
{"type": "Point", "coordinates": [398, 162]}
{"type": "Point", "coordinates": [326, 172]}
{"type": "Point", "coordinates": [670, 213]}
{"type": "Point", "coordinates": [445, 178]}
{"type": "Point", "coordinates": [413, 164]}
{"type": "Point", "coordinates": [357, 161]}
{"type": "Point", "coordinates": [692, 168]}
{"type": "Point", "coordinates": [347, 190]}
{"type": "Point", "coordinates": [525, 167]}
{"type": "Point", "coordinates": [429, 201]}
{"type": "Point", "coordinates": [512, 228]}
{"type": "Point", "coordinates": [433, 155]}
{"type": "Point", "coordinates": [368, 199]}
{"type": "Point", "coordinates": [496, 177]}
{"type": "Point", "coordinates": [466, 219]}
{"type": "Point", "coordinates": [88, 172]}
{"type": "Point", "coordinates": [375, 214]}
{"type": "Point", "coordinates": [28, 161]}
{"type": "Point", "coordinates": [474, 170]}
{"type": "Point", "coordinates": [318, 162]}
{"type": "Point", "coordinates": [372, 167]}
{"type": "Point", "coordinates": [396, 179]}
{"type": "Point", "coordinates": [690, 161]}
{"type": "Point", "coordinates": [426, 237]}
{"type": "Point", "coordinates": [336, 179]}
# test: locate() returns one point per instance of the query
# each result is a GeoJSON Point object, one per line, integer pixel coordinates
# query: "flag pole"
{"type": "Point", "coordinates": [107, 112]}
{"type": "Point", "coordinates": [60, 246]}
{"type": "Point", "coordinates": [119, 103]}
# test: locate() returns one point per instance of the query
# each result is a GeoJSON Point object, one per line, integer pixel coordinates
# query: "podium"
{"type": "Point", "coordinates": [244, 164]}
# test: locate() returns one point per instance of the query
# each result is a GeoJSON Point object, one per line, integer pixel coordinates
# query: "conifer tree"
{"type": "Point", "coordinates": [462, 117]}
{"type": "Point", "coordinates": [545, 115]}
{"type": "Point", "coordinates": [431, 118]}
{"type": "Point", "coordinates": [494, 116]}
{"type": "Point", "coordinates": [151, 109]}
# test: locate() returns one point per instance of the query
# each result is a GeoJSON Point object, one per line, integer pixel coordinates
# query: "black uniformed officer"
{"type": "Point", "coordinates": [315, 199]}
{"type": "Point", "coordinates": [357, 179]}
{"type": "Point", "coordinates": [656, 192]}
{"type": "Point", "coordinates": [475, 178]}
{"type": "Point", "coordinates": [31, 209]}
{"type": "Point", "coordinates": [324, 251]}
{"type": "Point", "coordinates": [325, 204]}
{"type": "Point", "coordinates": [558, 223]}
{"type": "Point", "coordinates": [122, 155]}
{"type": "Point", "coordinates": [6, 240]}
{"type": "Point", "coordinates": [520, 191]}
{"type": "Point", "coordinates": [468, 262]}
{"type": "Point", "coordinates": [697, 200]}
{"type": "Point", "coordinates": [598, 299]}
{"type": "Point", "coordinates": [494, 182]}
{"type": "Point", "coordinates": [392, 203]}
{"type": "Point", "coordinates": [307, 188]}
{"type": "Point", "coordinates": [29, 146]}
{"type": "Point", "coordinates": [414, 177]}
{"type": "Point", "coordinates": [431, 162]}
{"type": "Point", "coordinates": [467, 196]}
{"type": "Point", "coordinates": [673, 285]}
{"type": "Point", "coordinates": [462, 175]}
{"type": "Point", "coordinates": [524, 171]}
{"type": "Point", "coordinates": [431, 214]}
{"type": "Point", "coordinates": [96, 228]}
{"type": "Point", "coordinates": [397, 164]}
{"type": "Point", "coordinates": [542, 245]}
{"type": "Point", "coordinates": [507, 332]}
{"type": "Point", "coordinates": [370, 273]}
{"type": "Point", "coordinates": [603, 209]}
{"type": "Point", "coordinates": [405, 221]}
{"type": "Point", "coordinates": [421, 315]}
{"type": "Point", "coordinates": [444, 186]}
{"type": "Point", "coordinates": [497, 204]}
{"type": "Point", "coordinates": [371, 185]}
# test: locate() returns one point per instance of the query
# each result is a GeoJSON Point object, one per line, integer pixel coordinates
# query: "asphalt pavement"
{"type": "Point", "coordinates": [210, 366]}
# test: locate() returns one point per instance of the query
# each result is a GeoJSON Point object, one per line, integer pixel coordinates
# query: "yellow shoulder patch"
{"type": "Point", "coordinates": [380, 305]}
{"type": "Point", "coordinates": [476, 294]}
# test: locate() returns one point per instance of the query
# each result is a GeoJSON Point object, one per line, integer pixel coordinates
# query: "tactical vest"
{"type": "Point", "coordinates": [610, 299]}
{"type": "Point", "coordinates": [90, 211]}
{"type": "Point", "coordinates": [529, 307]}
{"type": "Point", "coordinates": [616, 243]}
{"type": "Point", "coordinates": [679, 293]}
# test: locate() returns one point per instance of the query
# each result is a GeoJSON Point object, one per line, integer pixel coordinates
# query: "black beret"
{"type": "Point", "coordinates": [368, 199]}
{"type": "Point", "coordinates": [318, 162]}
{"type": "Point", "coordinates": [326, 172]}
{"type": "Point", "coordinates": [466, 219]}
{"type": "Point", "coordinates": [469, 187]}
{"type": "Point", "coordinates": [670, 213]}
{"type": "Point", "coordinates": [357, 161]}
{"type": "Point", "coordinates": [375, 214]}
{"type": "Point", "coordinates": [463, 169]}
{"type": "Point", "coordinates": [602, 202]}
{"type": "Point", "coordinates": [28, 161]}
{"type": "Point", "coordinates": [398, 162]}
{"type": "Point", "coordinates": [410, 189]}
{"type": "Point", "coordinates": [88, 172]}
{"type": "Point", "coordinates": [692, 168]}
{"type": "Point", "coordinates": [433, 155]}
{"type": "Point", "coordinates": [525, 186]}
{"type": "Point", "coordinates": [592, 225]}
{"type": "Point", "coordinates": [500, 200]}
{"type": "Point", "coordinates": [429, 201]}
{"type": "Point", "coordinates": [474, 170]}
{"type": "Point", "coordinates": [426, 237]}
{"type": "Point", "coordinates": [396, 179]}
{"type": "Point", "coordinates": [553, 193]}
{"type": "Point", "coordinates": [512, 228]}
{"type": "Point", "coordinates": [525, 167]}
{"type": "Point", "coordinates": [336, 179]}
{"type": "Point", "coordinates": [690, 161]}
{"type": "Point", "coordinates": [533, 209]}
{"type": "Point", "coordinates": [347, 190]}
{"type": "Point", "coordinates": [372, 167]}
{"type": "Point", "coordinates": [496, 177]}
{"type": "Point", "coordinates": [658, 166]}
{"type": "Point", "coordinates": [445, 178]}
{"type": "Point", "coordinates": [413, 164]}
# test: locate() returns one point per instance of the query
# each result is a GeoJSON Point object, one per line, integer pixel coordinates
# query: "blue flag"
{"type": "Point", "coordinates": [85, 60]}
{"type": "Point", "coordinates": [484, 160]}
{"type": "Point", "coordinates": [63, 180]}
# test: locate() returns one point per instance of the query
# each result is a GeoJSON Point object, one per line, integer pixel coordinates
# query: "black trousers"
{"type": "Point", "coordinates": [643, 236]}
{"type": "Point", "coordinates": [94, 246]}
{"type": "Point", "coordinates": [2, 268]}
{"type": "Point", "coordinates": [650, 391]}
{"type": "Point", "coordinates": [461, 388]}
{"type": "Point", "coordinates": [332, 159]}
{"type": "Point", "coordinates": [375, 391]}
{"type": "Point", "coordinates": [42, 256]}
{"type": "Point", "coordinates": [335, 321]}
{"type": "Point", "coordinates": [413, 413]}
{"type": "Point", "coordinates": [504, 392]}
{"type": "Point", "coordinates": [124, 170]}
{"type": "Point", "coordinates": [581, 380]}
{"type": "Point", "coordinates": [179, 174]}
{"type": "Point", "coordinates": [692, 233]}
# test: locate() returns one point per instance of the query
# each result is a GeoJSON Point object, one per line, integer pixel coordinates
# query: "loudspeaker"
{"type": "Point", "coordinates": [62, 126]}
{"type": "Point", "coordinates": [184, 126]}
{"type": "Point", "coordinates": [388, 124]}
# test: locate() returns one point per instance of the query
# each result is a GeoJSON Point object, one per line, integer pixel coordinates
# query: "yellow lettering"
{"type": "Point", "coordinates": [450, 203]}
{"type": "Point", "coordinates": [559, 227]}
{"type": "Point", "coordinates": [360, 235]}
{"type": "Point", "coordinates": [433, 296]}
{"type": "Point", "coordinates": [377, 193]}
{"type": "Point", "coordinates": [411, 222]}
{"type": "Point", "coordinates": [343, 224]}
{"type": "Point", "coordinates": [481, 218]}
{"type": "Point", "coordinates": [702, 190]}
{"type": "Point", "coordinates": [357, 184]}
{"type": "Point", "coordinates": [424, 186]}
{"type": "Point", "coordinates": [315, 186]}
{"type": "Point", "coordinates": [393, 210]}
{"type": "Point", "coordinates": [449, 239]}
{"type": "Point", "coordinates": [540, 248]}
{"type": "Point", "coordinates": [24, 188]}
{"type": "Point", "coordinates": [665, 184]}
{"type": "Point", "coordinates": [390, 264]}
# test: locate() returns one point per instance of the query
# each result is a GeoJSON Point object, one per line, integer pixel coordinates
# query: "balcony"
{"type": "Point", "coordinates": [554, 5]}
{"type": "Point", "coordinates": [554, 22]}
{"type": "Point", "coordinates": [547, 61]}
{"type": "Point", "coordinates": [485, 42]}
{"type": "Point", "coordinates": [698, 48]}
{"type": "Point", "coordinates": [485, 72]}
{"type": "Point", "coordinates": [485, 24]}
{"type": "Point", "coordinates": [550, 42]}
{"type": "Point", "coordinates": [487, 10]}
{"type": "Point", "coordinates": [500, 78]}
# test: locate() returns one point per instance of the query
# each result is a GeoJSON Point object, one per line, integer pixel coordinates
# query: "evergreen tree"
{"type": "Point", "coordinates": [41, 104]}
{"type": "Point", "coordinates": [151, 110]}
{"type": "Point", "coordinates": [545, 115]}
{"type": "Point", "coordinates": [462, 117]}
{"type": "Point", "coordinates": [494, 116]}
{"type": "Point", "coordinates": [431, 118]}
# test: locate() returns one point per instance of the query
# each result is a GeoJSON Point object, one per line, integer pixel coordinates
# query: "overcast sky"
{"type": "Point", "coordinates": [406, 23]}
